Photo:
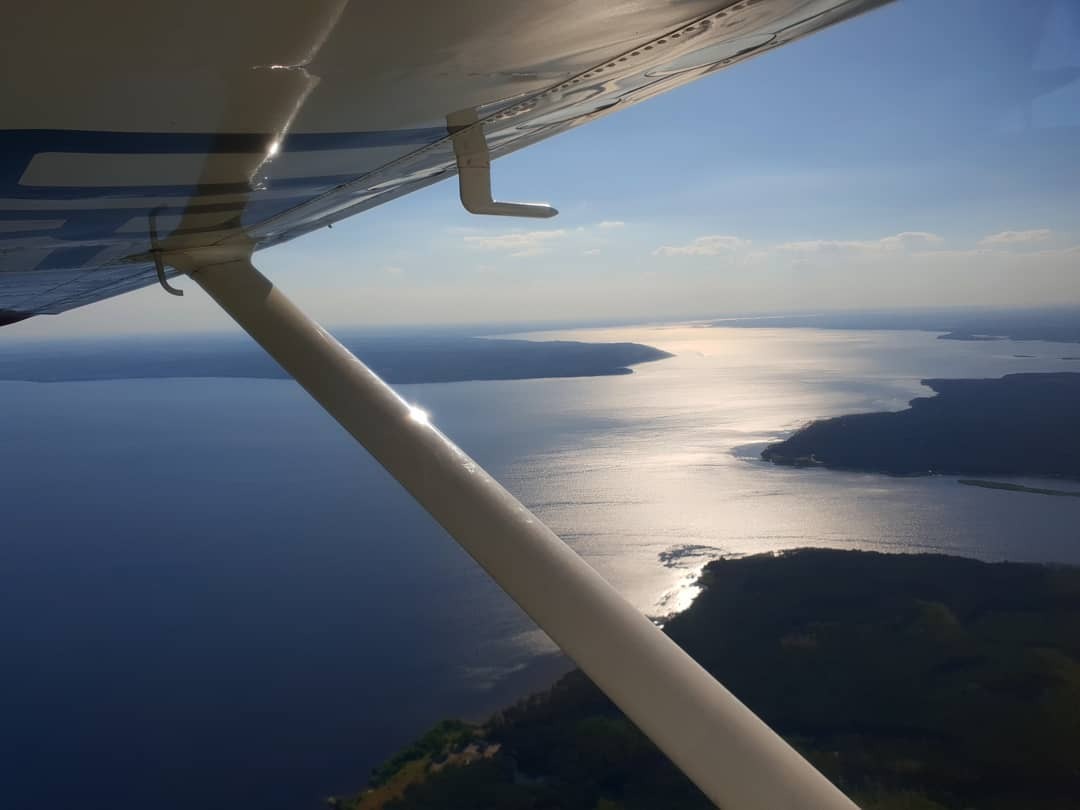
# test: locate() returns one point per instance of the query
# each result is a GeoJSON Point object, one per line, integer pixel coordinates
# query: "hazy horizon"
{"type": "Point", "coordinates": [918, 319]}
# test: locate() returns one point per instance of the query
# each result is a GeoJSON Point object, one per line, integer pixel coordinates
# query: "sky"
{"type": "Point", "coordinates": [925, 154]}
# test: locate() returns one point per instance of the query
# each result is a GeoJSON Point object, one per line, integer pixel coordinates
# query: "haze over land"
{"type": "Point", "coordinates": [1056, 324]}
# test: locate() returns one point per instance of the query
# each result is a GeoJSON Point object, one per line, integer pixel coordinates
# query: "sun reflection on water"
{"type": "Point", "coordinates": [656, 461]}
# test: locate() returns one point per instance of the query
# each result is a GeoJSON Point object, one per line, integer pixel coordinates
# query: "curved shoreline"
{"type": "Point", "coordinates": [398, 360]}
{"type": "Point", "coordinates": [909, 680]}
{"type": "Point", "coordinates": [1016, 425]}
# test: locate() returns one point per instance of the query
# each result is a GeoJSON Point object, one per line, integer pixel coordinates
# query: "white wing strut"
{"type": "Point", "coordinates": [738, 761]}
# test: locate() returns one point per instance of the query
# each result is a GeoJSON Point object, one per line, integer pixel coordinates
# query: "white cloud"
{"type": "Point", "coordinates": [907, 239]}
{"type": "Point", "coordinates": [392, 270]}
{"type": "Point", "coordinates": [591, 252]}
{"type": "Point", "coordinates": [900, 241]}
{"type": "Point", "coordinates": [1016, 237]}
{"type": "Point", "coordinates": [517, 244]}
{"type": "Point", "coordinates": [521, 244]}
{"type": "Point", "coordinates": [704, 246]}
{"type": "Point", "coordinates": [818, 246]}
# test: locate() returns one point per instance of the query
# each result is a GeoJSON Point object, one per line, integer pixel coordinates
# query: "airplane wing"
{"type": "Point", "coordinates": [131, 127]}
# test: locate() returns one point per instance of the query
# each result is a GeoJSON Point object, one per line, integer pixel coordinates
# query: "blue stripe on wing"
{"type": "Point", "coordinates": [19, 147]}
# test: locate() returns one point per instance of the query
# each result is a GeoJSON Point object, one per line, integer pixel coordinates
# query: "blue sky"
{"type": "Point", "coordinates": [923, 154]}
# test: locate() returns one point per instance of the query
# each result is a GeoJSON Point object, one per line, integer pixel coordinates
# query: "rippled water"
{"type": "Point", "coordinates": [679, 468]}
{"type": "Point", "coordinates": [209, 597]}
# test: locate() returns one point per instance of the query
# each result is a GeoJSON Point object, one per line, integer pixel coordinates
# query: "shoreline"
{"type": "Point", "coordinates": [403, 361]}
{"type": "Point", "coordinates": [1006, 486]}
{"type": "Point", "coordinates": [796, 619]}
{"type": "Point", "coordinates": [1018, 425]}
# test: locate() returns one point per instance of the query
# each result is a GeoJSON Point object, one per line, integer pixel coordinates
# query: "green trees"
{"type": "Point", "coordinates": [915, 682]}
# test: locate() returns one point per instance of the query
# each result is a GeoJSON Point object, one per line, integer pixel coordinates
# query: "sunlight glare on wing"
{"type": "Point", "coordinates": [418, 414]}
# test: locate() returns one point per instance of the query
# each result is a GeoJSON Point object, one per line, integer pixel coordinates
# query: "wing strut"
{"type": "Point", "coordinates": [738, 761]}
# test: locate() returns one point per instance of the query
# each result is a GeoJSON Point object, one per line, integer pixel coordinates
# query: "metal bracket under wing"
{"type": "Point", "coordinates": [159, 262]}
{"type": "Point", "coordinates": [474, 172]}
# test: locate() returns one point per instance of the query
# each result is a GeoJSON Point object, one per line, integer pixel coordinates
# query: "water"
{"type": "Point", "coordinates": [210, 598]}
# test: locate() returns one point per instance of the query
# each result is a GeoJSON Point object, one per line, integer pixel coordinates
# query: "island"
{"type": "Point", "coordinates": [1018, 425]}
{"type": "Point", "coordinates": [914, 682]}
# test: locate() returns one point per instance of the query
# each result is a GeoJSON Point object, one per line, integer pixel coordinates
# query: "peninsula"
{"type": "Point", "coordinates": [397, 358]}
{"type": "Point", "coordinates": [1019, 425]}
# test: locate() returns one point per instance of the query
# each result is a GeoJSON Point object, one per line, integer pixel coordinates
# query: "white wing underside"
{"type": "Point", "coordinates": [216, 121]}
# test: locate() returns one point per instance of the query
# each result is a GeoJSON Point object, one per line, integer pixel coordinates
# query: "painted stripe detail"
{"type": "Point", "coordinates": [95, 170]}
{"type": "Point", "coordinates": [16, 225]}
{"type": "Point", "coordinates": [62, 140]}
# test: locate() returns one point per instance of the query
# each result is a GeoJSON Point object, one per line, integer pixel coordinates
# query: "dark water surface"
{"type": "Point", "coordinates": [210, 598]}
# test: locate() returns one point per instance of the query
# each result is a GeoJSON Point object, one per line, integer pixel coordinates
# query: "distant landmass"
{"type": "Point", "coordinates": [1020, 424]}
{"type": "Point", "coordinates": [1009, 487]}
{"type": "Point", "coordinates": [914, 682]}
{"type": "Point", "coordinates": [397, 359]}
{"type": "Point", "coordinates": [1060, 324]}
